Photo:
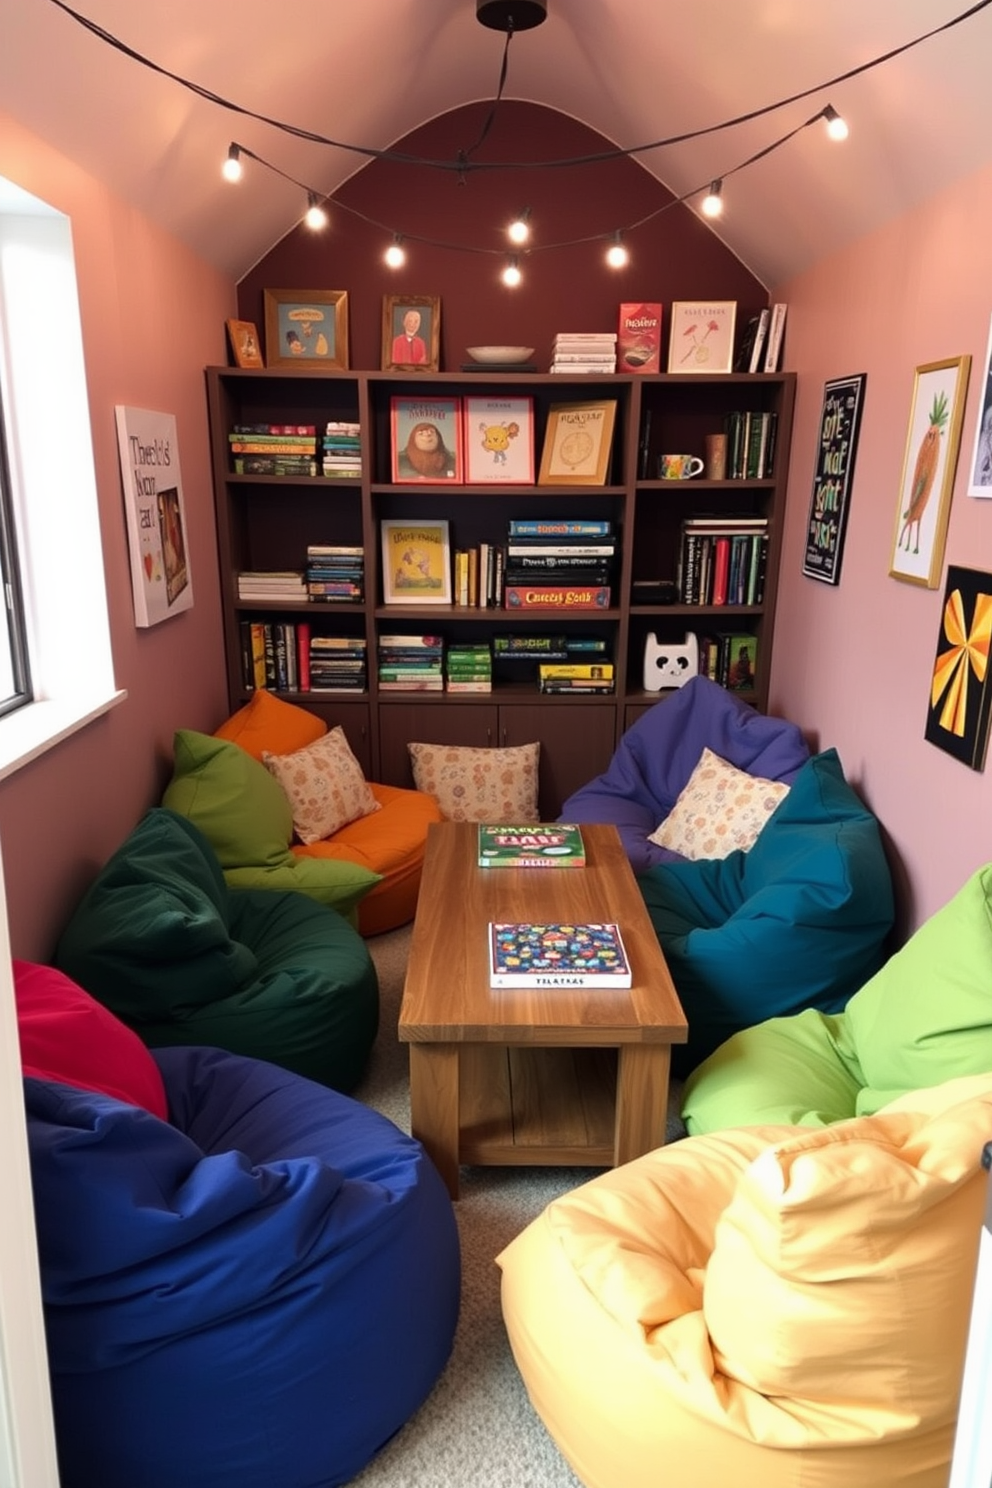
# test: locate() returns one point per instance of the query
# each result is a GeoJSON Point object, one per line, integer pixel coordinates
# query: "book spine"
{"type": "Point", "coordinates": [720, 570]}
{"type": "Point", "coordinates": [775, 333]}
{"type": "Point", "coordinates": [570, 528]}
{"type": "Point", "coordinates": [258, 652]}
{"type": "Point", "coordinates": [760, 336]}
{"type": "Point", "coordinates": [550, 597]}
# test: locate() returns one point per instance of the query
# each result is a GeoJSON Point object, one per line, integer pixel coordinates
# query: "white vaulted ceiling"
{"type": "Point", "coordinates": [366, 72]}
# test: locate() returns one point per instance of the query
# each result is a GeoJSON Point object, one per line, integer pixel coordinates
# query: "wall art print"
{"type": "Point", "coordinates": [840, 424]}
{"type": "Point", "coordinates": [960, 690]}
{"type": "Point", "coordinates": [929, 463]}
{"type": "Point", "coordinates": [156, 520]}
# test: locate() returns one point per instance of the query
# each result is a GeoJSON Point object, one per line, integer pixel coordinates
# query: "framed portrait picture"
{"type": "Point", "coordinates": [702, 336]}
{"type": "Point", "coordinates": [961, 685]}
{"type": "Point", "coordinates": [246, 348]}
{"type": "Point", "coordinates": [426, 440]}
{"type": "Point", "coordinates": [837, 447]}
{"type": "Point", "coordinates": [416, 563]}
{"type": "Point", "coordinates": [306, 325]}
{"type": "Point", "coordinates": [498, 440]}
{"type": "Point", "coordinates": [929, 463]}
{"type": "Point", "coordinates": [411, 333]}
{"type": "Point", "coordinates": [980, 470]}
{"type": "Point", "coordinates": [577, 443]}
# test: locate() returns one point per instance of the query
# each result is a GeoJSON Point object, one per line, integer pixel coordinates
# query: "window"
{"type": "Point", "coordinates": [56, 668]}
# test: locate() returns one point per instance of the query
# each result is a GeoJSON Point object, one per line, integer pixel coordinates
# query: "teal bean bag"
{"type": "Point", "coordinates": [181, 958]}
{"type": "Point", "coordinates": [800, 920]}
{"type": "Point", "coordinates": [924, 1018]}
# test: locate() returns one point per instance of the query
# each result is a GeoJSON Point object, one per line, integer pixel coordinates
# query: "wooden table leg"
{"type": "Point", "coordinates": [642, 1100]}
{"type": "Point", "coordinates": [434, 1106]}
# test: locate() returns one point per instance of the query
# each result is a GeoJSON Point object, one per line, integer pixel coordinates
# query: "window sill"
{"type": "Point", "coordinates": [36, 728]}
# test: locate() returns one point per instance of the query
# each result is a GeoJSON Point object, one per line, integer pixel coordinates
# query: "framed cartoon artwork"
{"type": "Point", "coordinates": [961, 685]}
{"type": "Point", "coordinates": [928, 467]}
{"type": "Point", "coordinates": [426, 440]}
{"type": "Point", "coordinates": [577, 443]}
{"type": "Point", "coordinates": [837, 447]}
{"type": "Point", "coordinates": [416, 563]}
{"type": "Point", "coordinates": [702, 336]}
{"type": "Point", "coordinates": [411, 333]}
{"type": "Point", "coordinates": [306, 325]}
{"type": "Point", "coordinates": [980, 470]}
{"type": "Point", "coordinates": [498, 440]}
{"type": "Point", "coordinates": [245, 346]}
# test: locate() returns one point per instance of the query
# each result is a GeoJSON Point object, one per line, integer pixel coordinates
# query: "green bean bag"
{"type": "Point", "coordinates": [799, 920]}
{"type": "Point", "coordinates": [924, 1018]}
{"type": "Point", "coordinates": [181, 958]}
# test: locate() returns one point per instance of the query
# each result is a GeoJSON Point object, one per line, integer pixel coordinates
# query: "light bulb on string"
{"type": "Point", "coordinates": [836, 126]}
{"type": "Point", "coordinates": [395, 254]}
{"type": "Point", "coordinates": [519, 229]}
{"type": "Point", "coordinates": [511, 274]}
{"type": "Point", "coordinates": [232, 168]}
{"type": "Point", "coordinates": [712, 203]}
{"type": "Point", "coordinates": [616, 255]}
{"type": "Point", "coordinates": [316, 216]}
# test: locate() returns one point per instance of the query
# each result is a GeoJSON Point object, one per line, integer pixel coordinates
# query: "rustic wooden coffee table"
{"type": "Point", "coordinates": [570, 1076]}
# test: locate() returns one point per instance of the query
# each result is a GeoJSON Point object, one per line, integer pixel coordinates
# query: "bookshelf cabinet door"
{"type": "Point", "coordinates": [577, 741]}
{"type": "Point", "coordinates": [401, 724]}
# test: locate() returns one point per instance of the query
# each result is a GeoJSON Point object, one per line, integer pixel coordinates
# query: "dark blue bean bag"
{"type": "Point", "coordinates": [255, 1294]}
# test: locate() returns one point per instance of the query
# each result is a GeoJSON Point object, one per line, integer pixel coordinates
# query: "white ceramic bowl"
{"type": "Point", "coordinates": [500, 353]}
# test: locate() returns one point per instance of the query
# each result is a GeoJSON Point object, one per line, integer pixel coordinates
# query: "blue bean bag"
{"type": "Point", "coordinates": [798, 921]}
{"type": "Point", "coordinates": [256, 1293]}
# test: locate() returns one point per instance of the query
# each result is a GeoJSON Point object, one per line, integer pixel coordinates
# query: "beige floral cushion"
{"type": "Point", "coordinates": [324, 784]}
{"type": "Point", "coordinates": [479, 785]}
{"type": "Point", "coordinates": [721, 809]}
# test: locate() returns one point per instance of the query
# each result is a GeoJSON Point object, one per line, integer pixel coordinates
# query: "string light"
{"type": "Point", "coordinates": [511, 275]}
{"type": "Point", "coordinates": [836, 126]}
{"type": "Point", "coordinates": [231, 170]}
{"type": "Point", "coordinates": [395, 254]}
{"type": "Point", "coordinates": [519, 229]}
{"type": "Point", "coordinates": [316, 215]}
{"type": "Point", "coordinates": [616, 255]}
{"type": "Point", "coordinates": [712, 203]}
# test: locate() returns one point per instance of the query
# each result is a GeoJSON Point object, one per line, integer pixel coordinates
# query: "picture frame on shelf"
{"type": "Point", "coordinates": [498, 440]}
{"type": "Point", "coordinates": [416, 562]}
{"type": "Point", "coordinates": [246, 347]}
{"type": "Point", "coordinates": [578, 441]}
{"type": "Point", "coordinates": [961, 684]}
{"type": "Point", "coordinates": [304, 326]}
{"type": "Point", "coordinates": [833, 472]}
{"type": "Point", "coordinates": [411, 333]}
{"type": "Point", "coordinates": [980, 469]}
{"type": "Point", "coordinates": [701, 339]}
{"type": "Point", "coordinates": [932, 441]}
{"type": "Point", "coordinates": [425, 440]}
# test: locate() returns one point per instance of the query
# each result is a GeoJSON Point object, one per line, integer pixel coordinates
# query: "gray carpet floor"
{"type": "Point", "coordinates": [477, 1429]}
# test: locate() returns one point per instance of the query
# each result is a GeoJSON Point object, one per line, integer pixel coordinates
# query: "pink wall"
{"type": "Point", "coordinates": [152, 318]}
{"type": "Point", "coordinates": [853, 662]}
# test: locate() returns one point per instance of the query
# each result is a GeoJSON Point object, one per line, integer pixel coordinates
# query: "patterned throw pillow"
{"type": "Point", "coordinates": [479, 785]}
{"type": "Point", "coordinates": [324, 784]}
{"type": "Point", "coordinates": [721, 809]}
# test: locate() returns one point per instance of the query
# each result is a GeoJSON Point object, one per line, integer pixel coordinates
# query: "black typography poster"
{"type": "Point", "coordinates": [840, 421]}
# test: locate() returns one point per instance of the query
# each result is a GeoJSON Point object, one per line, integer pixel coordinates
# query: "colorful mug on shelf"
{"type": "Point", "coordinates": [679, 467]}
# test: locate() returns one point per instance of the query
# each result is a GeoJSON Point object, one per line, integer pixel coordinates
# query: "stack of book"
{"type": "Point", "coordinates": [275, 585]}
{"type": "Point", "coordinates": [274, 449]}
{"type": "Point", "coordinates": [342, 455]}
{"type": "Point", "coordinates": [576, 677]}
{"type": "Point", "coordinates": [538, 648]}
{"type": "Point", "coordinates": [336, 663]}
{"type": "Point", "coordinates": [722, 560]}
{"type": "Point", "coordinates": [750, 444]}
{"type": "Point", "coordinates": [468, 668]}
{"type": "Point", "coordinates": [578, 351]}
{"type": "Point", "coordinates": [335, 574]}
{"type": "Point", "coordinates": [411, 663]}
{"type": "Point", "coordinates": [564, 564]}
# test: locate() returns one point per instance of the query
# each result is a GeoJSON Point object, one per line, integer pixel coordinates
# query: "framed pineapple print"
{"type": "Point", "coordinates": [928, 470]}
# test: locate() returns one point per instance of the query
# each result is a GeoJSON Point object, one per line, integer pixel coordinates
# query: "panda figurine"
{"type": "Point", "coordinates": [669, 665]}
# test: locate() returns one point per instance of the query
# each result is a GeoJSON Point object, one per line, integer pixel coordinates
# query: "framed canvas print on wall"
{"type": "Point", "coordinates": [411, 333]}
{"type": "Point", "coordinates": [416, 563]}
{"type": "Point", "coordinates": [426, 440]}
{"type": "Point", "coordinates": [306, 325]}
{"type": "Point", "coordinates": [577, 443]}
{"type": "Point", "coordinates": [161, 583]}
{"type": "Point", "coordinates": [840, 424]}
{"type": "Point", "coordinates": [245, 346]}
{"type": "Point", "coordinates": [961, 689]}
{"type": "Point", "coordinates": [928, 471]}
{"type": "Point", "coordinates": [980, 470]}
{"type": "Point", "coordinates": [498, 440]}
{"type": "Point", "coordinates": [702, 336]}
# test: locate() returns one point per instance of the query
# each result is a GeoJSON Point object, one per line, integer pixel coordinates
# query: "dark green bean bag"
{"type": "Point", "coordinates": [161, 940]}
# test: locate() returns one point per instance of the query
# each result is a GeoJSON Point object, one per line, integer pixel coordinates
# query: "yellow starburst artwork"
{"type": "Point", "coordinates": [960, 692]}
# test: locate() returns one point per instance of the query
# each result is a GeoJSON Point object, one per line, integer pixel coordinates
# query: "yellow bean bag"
{"type": "Point", "coordinates": [768, 1307]}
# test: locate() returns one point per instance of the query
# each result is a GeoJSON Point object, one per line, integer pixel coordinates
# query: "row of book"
{"type": "Point", "coordinates": [292, 449]}
{"type": "Point", "coordinates": [723, 561]}
{"type": "Point", "coordinates": [284, 656]}
{"type": "Point", "coordinates": [750, 444]}
{"type": "Point", "coordinates": [730, 658]}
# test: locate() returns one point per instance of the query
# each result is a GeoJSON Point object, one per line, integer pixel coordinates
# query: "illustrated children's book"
{"type": "Point", "coordinates": [590, 955]}
{"type": "Point", "coordinates": [539, 846]}
{"type": "Point", "coordinates": [426, 439]}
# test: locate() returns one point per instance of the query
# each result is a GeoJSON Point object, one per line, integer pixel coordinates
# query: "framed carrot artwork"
{"type": "Point", "coordinates": [928, 467]}
{"type": "Point", "coordinates": [960, 688]}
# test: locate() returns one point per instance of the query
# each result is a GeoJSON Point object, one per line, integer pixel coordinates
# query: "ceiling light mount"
{"type": "Point", "coordinates": [511, 15]}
